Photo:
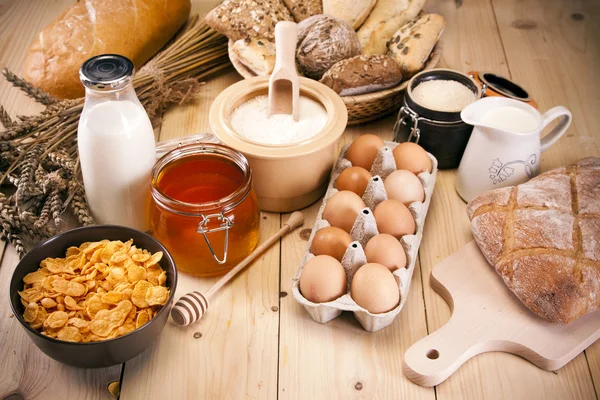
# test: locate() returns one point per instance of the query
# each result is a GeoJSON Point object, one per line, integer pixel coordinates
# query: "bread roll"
{"type": "Point", "coordinates": [543, 238]}
{"type": "Point", "coordinates": [240, 19]}
{"type": "Point", "coordinates": [302, 9]}
{"type": "Point", "coordinates": [412, 44]}
{"type": "Point", "coordinates": [323, 41]}
{"type": "Point", "coordinates": [362, 74]}
{"type": "Point", "coordinates": [136, 29]}
{"type": "Point", "coordinates": [353, 12]}
{"type": "Point", "coordinates": [385, 19]}
{"type": "Point", "coordinates": [256, 54]}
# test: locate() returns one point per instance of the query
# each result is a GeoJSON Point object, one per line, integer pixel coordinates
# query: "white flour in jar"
{"type": "Point", "coordinates": [443, 95]}
{"type": "Point", "coordinates": [250, 120]}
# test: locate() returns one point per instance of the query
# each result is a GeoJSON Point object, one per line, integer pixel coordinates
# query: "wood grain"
{"type": "Point", "coordinates": [495, 375]}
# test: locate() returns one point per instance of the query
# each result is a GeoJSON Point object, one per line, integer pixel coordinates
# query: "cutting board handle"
{"type": "Point", "coordinates": [434, 358]}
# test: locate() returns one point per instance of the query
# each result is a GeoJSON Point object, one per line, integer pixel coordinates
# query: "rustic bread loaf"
{"type": "Point", "coordinates": [543, 238]}
{"type": "Point", "coordinates": [239, 19]}
{"type": "Point", "coordinates": [386, 18]}
{"type": "Point", "coordinates": [137, 30]}
{"type": "Point", "coordinates": [412, 44]}
{"type": "Point", "coordinates": [353, 12]}
{"type": "Point", "coordinates": [258, 55]}
{"type": "Point", "coordinates": [363, 74]}
{"type": "Point", "coordinates": [322, 41]}
{"type": "Point", "coordinates": [302, 9]}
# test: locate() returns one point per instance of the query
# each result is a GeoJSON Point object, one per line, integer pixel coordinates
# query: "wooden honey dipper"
{"type": "Point", "coordinates": [191, 307]}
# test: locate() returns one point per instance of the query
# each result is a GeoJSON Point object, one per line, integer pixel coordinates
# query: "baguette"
{"type": "Point", "coordinates": [385, 19]}
{"type": "Point", "coordinates": [542, 237]}
{"type": "Point", "coordinates": [412, 44]}
{"type": "Point", "coordinates": [353, 12]}
{"type": "Point", "coordinates": [92, 27]}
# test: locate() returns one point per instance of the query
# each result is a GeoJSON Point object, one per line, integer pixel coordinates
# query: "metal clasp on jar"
{"type": "Point", "coordinates": [226, 223]}
{"type": "Point", "coordinates": [414, 131]}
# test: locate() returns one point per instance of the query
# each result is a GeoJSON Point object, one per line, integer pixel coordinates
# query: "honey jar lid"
{"type": "Point", "coordinates": [240, 92]}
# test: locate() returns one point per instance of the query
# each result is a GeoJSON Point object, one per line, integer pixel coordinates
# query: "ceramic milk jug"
{"type": "Point", "coordinates": [505, 146]}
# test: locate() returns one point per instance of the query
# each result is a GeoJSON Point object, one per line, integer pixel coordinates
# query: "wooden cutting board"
{"type": "Point", "coordinates": [487, 316]}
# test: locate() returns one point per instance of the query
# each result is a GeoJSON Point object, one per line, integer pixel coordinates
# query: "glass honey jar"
{"type": "Point", "coordinates": [204, 209]}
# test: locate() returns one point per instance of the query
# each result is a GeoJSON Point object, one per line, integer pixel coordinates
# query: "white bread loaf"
{"type": "Point", "coordinates": [353, 12]}
{"type": "Point", "coordinates": [136, 29]}
{"type": "Point", "coordinates": [385, 19]}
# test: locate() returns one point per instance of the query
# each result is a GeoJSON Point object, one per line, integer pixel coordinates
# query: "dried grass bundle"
{"type": "Point", "coordinates": [38, 154]}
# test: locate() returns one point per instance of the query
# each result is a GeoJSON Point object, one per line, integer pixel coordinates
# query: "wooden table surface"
{"type": "Point", "coordinates": [256, 341]}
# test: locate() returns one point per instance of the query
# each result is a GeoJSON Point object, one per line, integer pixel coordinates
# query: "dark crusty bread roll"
{"type": "Point", "coordinates": [240, 19]}
{"type": "Point", "coordinates": [136, 29]}
{"type": "Point", "coordinates": [543, 237]}
{"type": "Point", "coordinates": [322, 41]}
{"type": "Point", "coordinates": [363, 74]}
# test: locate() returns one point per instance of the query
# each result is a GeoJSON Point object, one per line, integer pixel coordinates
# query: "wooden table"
{"type": "Point", "coordinates": [256, 341]}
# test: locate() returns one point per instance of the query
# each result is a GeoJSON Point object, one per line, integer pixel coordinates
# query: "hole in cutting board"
{"type": "Point", "coordinates": [433, 354]}
{"type": "Point", "coordinates": [366, 212]}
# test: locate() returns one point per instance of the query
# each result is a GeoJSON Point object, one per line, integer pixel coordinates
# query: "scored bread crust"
{"type": "Point", "coordinates": [136, 29]}
{"type": "Point", "coordinates": [543, 238]}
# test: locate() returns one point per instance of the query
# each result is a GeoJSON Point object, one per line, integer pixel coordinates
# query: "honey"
{"type": "Point", "coordinates": [204, 210]}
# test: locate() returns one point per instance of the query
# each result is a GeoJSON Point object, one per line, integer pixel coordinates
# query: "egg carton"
{"type": "Point", "coordinates": [363, 229]}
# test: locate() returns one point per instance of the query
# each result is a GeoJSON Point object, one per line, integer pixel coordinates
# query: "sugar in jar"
{"type": "Point", "coordinates": [204, 209]}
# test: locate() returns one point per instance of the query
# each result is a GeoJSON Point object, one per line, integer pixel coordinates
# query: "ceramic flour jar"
{"type": "Point", "coordinates": [442, 133]}
{"type": "Point", "coordinates": [287, 176]}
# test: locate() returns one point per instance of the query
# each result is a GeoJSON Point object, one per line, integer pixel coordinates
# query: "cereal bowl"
{"type": "Point", "coordinates": [110, 351]}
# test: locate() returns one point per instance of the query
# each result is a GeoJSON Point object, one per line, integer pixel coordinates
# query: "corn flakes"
{"type": "Point", "coordinates": [100, 290]}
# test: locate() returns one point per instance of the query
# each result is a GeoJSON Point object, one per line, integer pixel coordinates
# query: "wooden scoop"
{"type": "Point", "coordinates": [193, 305]}
{"type": "Point", "coordinates": [284, 85]}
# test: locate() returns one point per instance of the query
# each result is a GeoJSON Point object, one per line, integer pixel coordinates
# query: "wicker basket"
{"type": "Point", "coordinates": [364, 107]}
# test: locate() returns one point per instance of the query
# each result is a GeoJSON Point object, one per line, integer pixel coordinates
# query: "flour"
{"type": "Point", "coordinates": [443, 95]}
{"type": "Point", "coordinates": [250, 120]}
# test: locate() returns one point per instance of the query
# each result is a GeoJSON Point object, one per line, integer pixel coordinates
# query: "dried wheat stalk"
{"type": "Point", "coordinates": [38, 154]}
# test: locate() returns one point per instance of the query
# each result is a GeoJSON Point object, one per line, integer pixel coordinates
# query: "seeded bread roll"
{"type": "Point", "coordinates": [353, 12]}
{"type": "Point", "coordinates": [256, 54]}
{"type": "Point", "coordinates": [543, 238]}
{"type": "Point", "coordinates": [322, 41]}
{"type": "Point", "coordinates": [136, 29]}
{"type": "Point", "coordinates": [385, 19]}
{"type": "Point", "coordinates": [302, 9]}
{"type": "Point", "coordinates": [363, 74]}
{"type": "Point", "coordinates": [239, 19]}
{"type": "Point", "coordinates": [412, 44]}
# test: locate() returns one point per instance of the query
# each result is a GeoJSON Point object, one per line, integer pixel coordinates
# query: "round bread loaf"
{"type": "Point", "coordinates": [322, 42]}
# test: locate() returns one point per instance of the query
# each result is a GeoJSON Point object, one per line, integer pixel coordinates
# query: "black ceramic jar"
{"type": "Point", "coordinates": [441, 133]}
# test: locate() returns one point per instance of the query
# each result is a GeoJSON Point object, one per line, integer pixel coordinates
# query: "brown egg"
{"type": "Point", "coordinates": [331, 241]}
{"type": "Point", "coordinates": [386, 250]}
{"type": "Point", "coordinates": [354, 179]}
{"type": "Point", "coordinates": [362, 151]}
{"type": "Point", "coordinates": [394, 218]}
{"type": "Point", "coordinates": [375, 289]}
{"type": "Point", "coordinates": [323, 279]}
{"type": "Point", "coordinates": [404, 186]}
{"type": "Point", "coordinates": [342, 208]}
{"type": "Point", "coordinates": [411, 156]}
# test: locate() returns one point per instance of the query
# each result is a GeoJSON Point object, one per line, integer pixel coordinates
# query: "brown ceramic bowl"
{"type": "Point", "coordinates": [94, 354]}
{"type": "Point", "coordinates": [287, 177]}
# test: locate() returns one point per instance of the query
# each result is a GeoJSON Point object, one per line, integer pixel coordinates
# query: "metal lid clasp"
{"type": "Point", "coordinates": [226, 223]}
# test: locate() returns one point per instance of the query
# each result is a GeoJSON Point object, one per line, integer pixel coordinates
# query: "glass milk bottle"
{"type": "Point", "coordinates": [116, 144]}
